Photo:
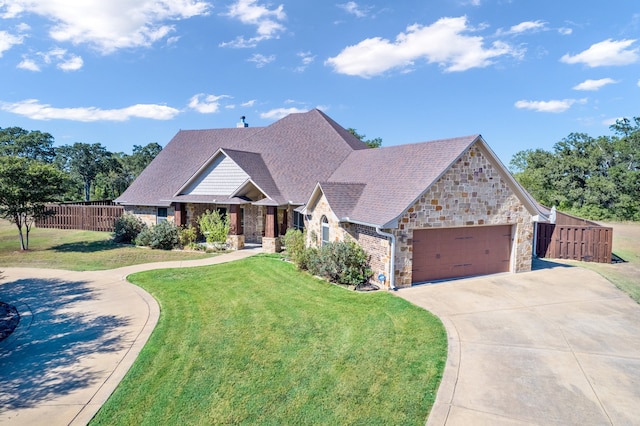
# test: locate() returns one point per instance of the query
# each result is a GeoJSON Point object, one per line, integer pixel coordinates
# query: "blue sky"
{"type": "Point", "coordinates": [524, 74]}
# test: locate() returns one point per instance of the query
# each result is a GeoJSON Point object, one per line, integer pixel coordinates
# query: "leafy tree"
{"type": "Point", "coordinates": [373, 143]}
{"type": "Point", "coordinates": [87, 161]}
{"type": "Point", "coordinates": [597, 178]}
{"type": "Point", "coordinates": [17, 142]}
{"type": "Point", "coordinates": [125, 170]}
{"type": "Point", "coordinates": [25, 186]}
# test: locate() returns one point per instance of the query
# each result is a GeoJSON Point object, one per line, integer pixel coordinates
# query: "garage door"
{"type": "Point", "coordinates": [460, 252]}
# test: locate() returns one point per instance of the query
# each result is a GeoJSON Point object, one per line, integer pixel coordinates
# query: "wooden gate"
{"type": "Point", "coordinates": [584, 243]}
{"type": "Point", "coordinates": [82, 216]}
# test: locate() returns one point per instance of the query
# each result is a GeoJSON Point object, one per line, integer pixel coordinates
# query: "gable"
{"type": "Point", "coordinates": [222, 176]}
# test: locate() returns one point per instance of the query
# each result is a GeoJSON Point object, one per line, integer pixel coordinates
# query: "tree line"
{"type": "Point", "coordinates": [592, 177]}
{"type": "Point", "coordinates": [34, 172]}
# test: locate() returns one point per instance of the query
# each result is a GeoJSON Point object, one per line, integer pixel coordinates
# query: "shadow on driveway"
{"type": "Point", "coordinates": [40, 359]}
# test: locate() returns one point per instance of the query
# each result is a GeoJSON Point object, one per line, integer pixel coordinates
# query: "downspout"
{"type": "Point", "coordinates": [392, 257]}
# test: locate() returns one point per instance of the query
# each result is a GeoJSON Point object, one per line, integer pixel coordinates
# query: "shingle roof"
{"type": "Point", "coordinates": [342, 197]}
{"type": "Point", "coordinates": [396, 176]}
{"type": "Point", "coordinates": [297, 151]}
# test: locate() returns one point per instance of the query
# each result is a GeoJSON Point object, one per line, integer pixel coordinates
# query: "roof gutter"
{"type": "Point", "coordinates": [392, 239]}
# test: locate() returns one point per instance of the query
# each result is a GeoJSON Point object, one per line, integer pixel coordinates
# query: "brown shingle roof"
{"type": "Point", "coordinates": [396, 176]}
{"type": "Point", "coordinates": [297, 151]}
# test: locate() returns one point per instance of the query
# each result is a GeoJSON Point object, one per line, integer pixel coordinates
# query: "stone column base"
{"type": "Point", "coordinates": [235, 242]}
{"type": "Point", "coordinates": [271, 245]}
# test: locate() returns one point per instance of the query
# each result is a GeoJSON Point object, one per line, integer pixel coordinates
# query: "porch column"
{"type": "Point", "coordinates": [271, 224]}
{"type": "Point", "coordinates": [236, 234]}
{"type": "Point", "coordinates": [270, 241]}
{"type": "Point", "coordinates": [180, 214]}
{"type": "Point", "coordinates": [236, 222]}
{"type": "Point", "coordinates": [285, 222]}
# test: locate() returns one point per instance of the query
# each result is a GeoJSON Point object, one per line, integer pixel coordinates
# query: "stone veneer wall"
{"type": "Point", "coordinates": [149, 214]}
{"type": "Point", "coordinates": [471, 193]}
{"type": "Point", "coordinates": [253, 223]}
{"type": "Point", "coordinates": [376, 246]}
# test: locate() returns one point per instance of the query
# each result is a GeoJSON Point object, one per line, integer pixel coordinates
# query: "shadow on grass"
{"type": "Point", "coordinates": [87, 247]}
{"type": "Point", "coordinates": [40, 360]}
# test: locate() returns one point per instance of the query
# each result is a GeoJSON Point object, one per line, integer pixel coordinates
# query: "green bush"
{"type": "Point", "coordinates": [187, 236]}
{"type": "Point", "coordinates": [294, 243]}
{"type": "Point", "coordinates": [144, 237]}
{"type": "Point", "coordinates": [342, 262]}
{"type": "Point", "coordinates": [126, 228]}
{"type": "Point", "coordinates": [214, 226]}
{"type": "Point", "coordinates": [162, 236]}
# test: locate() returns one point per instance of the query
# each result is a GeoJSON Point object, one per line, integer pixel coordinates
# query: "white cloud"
{"type": "Point", "coordinates": [606, 53]}
{"type": "Point", "coordinates": [353, 8]}
{"type": "Point", "coordinates": [527, 26]}
{"type": "Point", "coordinates": [565, 31]}
{"type": "Point", "coordinates": [268, 22]}
{"type": "Point", "coordinates": [35, 110]}
{"type": "Point", "coordinates": [74, 63]}
{"type": "Point", "coordinates": [107, 25]}
{"type": "Point", "coordinates": [594, 85]}
{"type": "Point", "coordinates": [278, 113]}
{"type": "Point", "coordinates": [250, 103]}
{"type": "Point", "coordinates": [7, 41]}
{"type": "Point", "coordinates": [63, 60]}
{"type": "Point", "coordinates": [29, 65]}
{"type": "Point", "coordinates": [307, 59]}
{"type": "Point", "coordinates": [638, 83]}
{"type": "Point", "coordinates": [445, 42]}
{"type": "Point", "coordinates": [261, 60]}
{"type": "Point", "coordinates": [206, 104]}
{"type": "Point", "coordinates": [555, 106]}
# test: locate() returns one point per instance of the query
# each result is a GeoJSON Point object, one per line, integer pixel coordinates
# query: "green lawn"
{"type": "Point", "coordinates": [258, 342]}
{"type": "Point", "coordinates": [76, 250]}
{"type": "Point", "coordinates": [626, 244]}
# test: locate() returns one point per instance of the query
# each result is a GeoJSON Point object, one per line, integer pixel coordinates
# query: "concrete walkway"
{"type": "Point", "coordinates": [556, 346]}
{"type": "Point", "coordinates": [79, 333]}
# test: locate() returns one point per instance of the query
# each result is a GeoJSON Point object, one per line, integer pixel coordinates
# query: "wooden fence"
{"type": "Point", "coordinates": [584, 243]}
{"type": "Point", "coordinates": [88, 217]}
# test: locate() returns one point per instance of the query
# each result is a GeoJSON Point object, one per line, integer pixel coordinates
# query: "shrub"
{"type": "Point", "coordinates": [214, 226]}
{"type": "Point", "coordinates": [342, 262]}
{"type": "Point", "coordinates": [144, 237]}
{"type": "Point", "coordinates": [294, 243]}
{"type": "Point", "coordinates": [162, 236]}
{"type": "Point", "coordinates": [126, 228]}
{"type": "Point", "coordinates": [165, 236]}
{"type": "Point", "coordinates": [187, 236]}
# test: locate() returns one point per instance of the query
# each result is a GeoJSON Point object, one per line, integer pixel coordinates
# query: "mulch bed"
{"type": "Point", "coordinates": [9, 319]}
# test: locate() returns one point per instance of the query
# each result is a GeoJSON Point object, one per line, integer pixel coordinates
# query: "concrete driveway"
{"type": "Point", "coordinates": [556, 346]}
{"type": "Point", "coordinates": [78, 335]}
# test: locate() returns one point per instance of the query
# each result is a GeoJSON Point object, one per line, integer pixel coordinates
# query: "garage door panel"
{"type": "Point", "coordinates": [459, 252]}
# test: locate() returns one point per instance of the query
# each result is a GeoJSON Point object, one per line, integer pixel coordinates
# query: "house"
{"type": "Point", "coordinates": [424, 211]}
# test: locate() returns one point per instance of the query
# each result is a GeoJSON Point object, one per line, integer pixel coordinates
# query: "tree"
{"type": "Point", "coordinates": [25, 186]}
{"type": "Point", "coordinates": [87, 161]}
{"type": "Point", "coordinates": [17, 142]}
{"type": "Point", "coordinates": [372, 143]}
{"type": "Point", "coordinates": [597, 178]}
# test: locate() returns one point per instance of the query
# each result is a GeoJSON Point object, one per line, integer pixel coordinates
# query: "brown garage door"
{"type": "Point", "coordinates": [460, 252]}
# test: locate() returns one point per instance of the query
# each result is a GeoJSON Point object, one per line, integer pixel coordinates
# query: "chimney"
{"type": "Point", "coordinates": [242, 123]}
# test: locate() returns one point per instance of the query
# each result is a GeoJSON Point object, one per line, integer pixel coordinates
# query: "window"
{"type": "Point", "coordinates": [298, 221]}
{"type": "Point", "coordinates": [325, 230]}
{"type": "Point", "coordinates": [162, 214]}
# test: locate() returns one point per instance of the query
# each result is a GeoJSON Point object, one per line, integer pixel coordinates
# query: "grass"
{"type": "Point", "coordinates": [258, 342]}
{"type": "Point", "coordinates": [76, 250]}
{"type": "Point", "coordinates": [626, 244]}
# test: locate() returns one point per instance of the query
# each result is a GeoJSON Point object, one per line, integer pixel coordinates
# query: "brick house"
{"type": "Point", "coordinates": [424, 211]}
